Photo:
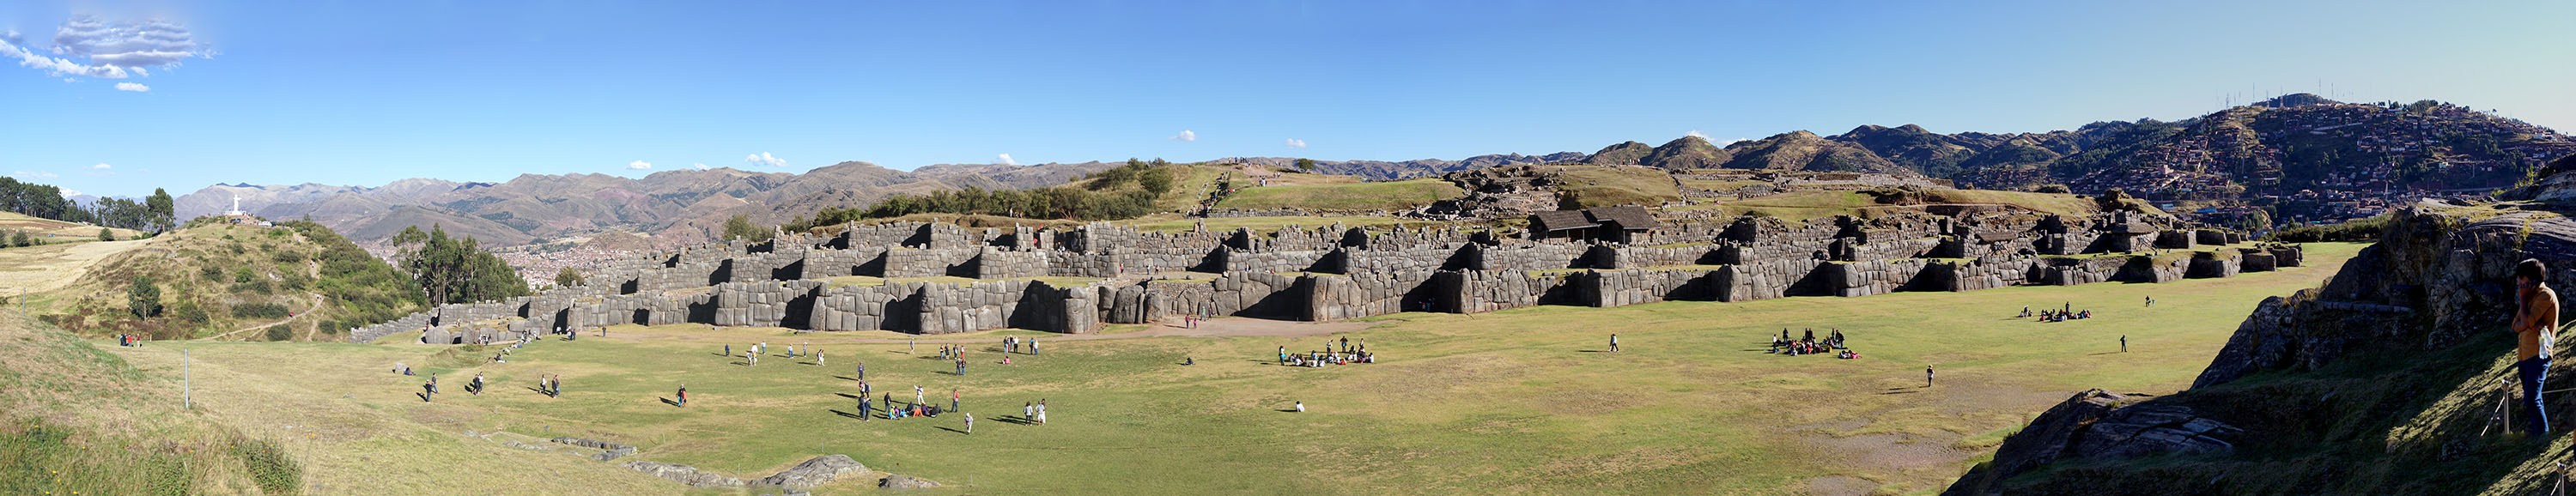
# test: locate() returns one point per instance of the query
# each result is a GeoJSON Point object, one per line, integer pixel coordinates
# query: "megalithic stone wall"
{"type": "Point", "coordinates": [2213, 264]}
{"type": "Point", "coordinates": [1760, 280]}
{"type": "Point", "coordinates": [2257, 261]}
{"type": "Point", "coordinates": [1480, 291]}
{"type": "Point", "coordinates": [1616, 288]}
{"type": "Point", "coordinates": [1339, 297]}
{"type": "Point", "coordinates": [2153, 269]}
{"type": "Point", "coordinates": [1351, 273]}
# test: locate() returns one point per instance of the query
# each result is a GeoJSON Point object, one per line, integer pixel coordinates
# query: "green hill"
{"type": "Point", "coordinates": [295, 281]}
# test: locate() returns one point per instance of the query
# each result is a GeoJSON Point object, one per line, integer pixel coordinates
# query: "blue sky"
{"type": "Point", "coordinates": [368, 92]}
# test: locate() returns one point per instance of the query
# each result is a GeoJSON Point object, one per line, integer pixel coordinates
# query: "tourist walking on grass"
{"type": "Point", "coordinates": [970, 423]}
{"type": "Point", "coordinates": [1041, 412]}
{"type": "Point", "coordinates": [1927, 376]}
{"type": "Point", "coordinates": [1614, 342]}
{"type": "Point", "coordinates": [1028, 411]}
{"type": "Point", "coordinates": [862, 371]}
{"type": "Point", "coordinates": [684, 395]}
{"type": "Point", "coordinates": [2124, 343]}
{"type": "Point", "coordinates": [864, 412]}
{"type": "Point", "coordinates": [428, 388]}
{"type": "Point", "coordinates": [916, 394]}
{"type": "Point", "coordinates": [2535, 326]}
{"type": "Point", "coordinates": [952, 401]}
{"type": "Point", "coordinates": [475, 388]}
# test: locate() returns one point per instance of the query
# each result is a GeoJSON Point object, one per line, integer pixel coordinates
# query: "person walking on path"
{"type": "Point", "coordinates": [1927, 376]}
{"type": "Point", "coordinates": [2535, 327]}
{"type": "Point", "coordinates": [1614, 342]}
{"type": "Point", "coordinates": [684, 395]}
{"type": "Point", "coordinates": [970, 423]}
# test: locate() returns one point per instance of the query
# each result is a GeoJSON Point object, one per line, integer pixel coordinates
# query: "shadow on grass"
{"type": "Point", "coordinates": [847, 395]}
{"type": "Point", "coordinates": [847, 378]}
{"type": "Point", "coordinates": [667, 401]}
{"type": "Point", "coordinates": [951, 429]}
{"type": "Point", "coordinates": [1015, 420]}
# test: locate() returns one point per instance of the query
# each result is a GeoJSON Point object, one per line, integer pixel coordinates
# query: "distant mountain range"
{"type": "Point", "coordinates": [2277, 148]}
{"type": "Point", "coordinates": [680, 206]}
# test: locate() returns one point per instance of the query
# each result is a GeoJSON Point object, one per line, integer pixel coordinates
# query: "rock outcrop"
{"type": "Point", "coordinates": [814, 472]}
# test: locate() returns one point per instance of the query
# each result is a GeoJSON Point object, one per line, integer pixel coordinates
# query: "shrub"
{"type": "Point", "coordinates": [2352, 230]}
{"type": "Point", "coordinates": [106, 235]}
{"type": "Point", "coordinates": [278, 332]}
{"type": "Point", "coordinates": [144, 297]}
{"type": "Point", "coordinates": [259, 311]}
{"type": "Point", "coordinates": [270, 467]}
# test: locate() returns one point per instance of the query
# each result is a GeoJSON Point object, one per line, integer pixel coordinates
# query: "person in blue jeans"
{"type": "Point", "coordinates": [2534, 326]}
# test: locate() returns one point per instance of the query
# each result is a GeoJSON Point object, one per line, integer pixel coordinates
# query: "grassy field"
{"type": "Point", "coordinates": [55, 231]}
{"type": "Point", "coordinates": [1605, 186]}
{"type": "Point", "coordinates": [1513, 402]}
{"type": "Point", "coordinates": [1393, 195]}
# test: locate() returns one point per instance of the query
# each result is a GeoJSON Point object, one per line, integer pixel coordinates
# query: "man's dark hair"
{"type": "Point", "coordinates": [2532, 269]}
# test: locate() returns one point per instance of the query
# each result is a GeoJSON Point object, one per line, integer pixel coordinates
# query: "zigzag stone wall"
{"type": "Point", "coordinates": [1326, 273]}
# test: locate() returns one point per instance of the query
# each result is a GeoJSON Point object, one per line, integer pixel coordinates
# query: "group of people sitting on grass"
{"type": "Point", "coordinates": [2062, 314]}
{"type": "Point", "coordinates": [1809, 345]}
{"type": "Point", "coordinates": [1341, 353]}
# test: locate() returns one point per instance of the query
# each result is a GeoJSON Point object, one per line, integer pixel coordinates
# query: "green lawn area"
{"type": "Point", "coordinates": [1520, 401]}
{"type": "Point", "coordinates": [1606, 186]}
{"type": "Point", "coordinates": [1391, 195]}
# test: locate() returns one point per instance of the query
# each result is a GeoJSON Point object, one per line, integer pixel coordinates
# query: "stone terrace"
{"type": "Point", "coordinates": [1322, 274]}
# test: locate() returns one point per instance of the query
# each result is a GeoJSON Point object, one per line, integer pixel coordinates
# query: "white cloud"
{"type": "Point", "coordinates": [1296, 143]}
{"type": "Point", "coordinates": [764, 158]}
{"type": "Point", "coordinates": [700, 166]}
{"type": "Point", "coordinates": [134, 87]}
{"type": "Point", "coordinates": [68, 192]}
{"type": "Point", "coordinates": [1006, 160]}
{"type": "Point", "coordinates": [1696, 134]}
{"type": "Point", "coordinates": [639, 165]}
{"type": "Point", "coordinates": [1186, 135]}
{"type": "Point", "coordinates": [113, 50]}
{"type": "Point", "coordinates": [102, 165]}
{"type": "Point", "coordinates": [33, 174]}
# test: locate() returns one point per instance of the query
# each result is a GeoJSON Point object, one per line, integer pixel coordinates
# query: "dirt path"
{"type": "Point", "coordinates": [317, 305]}
{"type": "Point", "coordinates": [1221, 327]}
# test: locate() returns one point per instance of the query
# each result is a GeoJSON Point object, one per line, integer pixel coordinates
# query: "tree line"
{"type": "Point", "coordinates": [155, 213]}
{"type": "Point", "coordinates": [454, 270]}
